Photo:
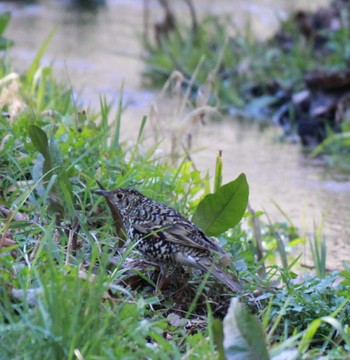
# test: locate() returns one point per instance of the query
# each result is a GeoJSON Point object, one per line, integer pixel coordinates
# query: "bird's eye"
{"type": "Point", "coordinates": [120, 196]}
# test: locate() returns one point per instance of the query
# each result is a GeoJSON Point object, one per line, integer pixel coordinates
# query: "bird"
{"type": "Point", "coordinates": [164, 236]}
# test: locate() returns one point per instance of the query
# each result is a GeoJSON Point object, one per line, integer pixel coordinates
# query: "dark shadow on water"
{"type": "Point", "coordinates": [85, 5]}
{"type": "Point", "coordinates": [21, 2]}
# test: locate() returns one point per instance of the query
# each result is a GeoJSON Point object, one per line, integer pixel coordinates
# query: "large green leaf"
{"type": "Point", "coordinates": [244, 338]}
{"type": "Point", "coordinates": [224, 209]}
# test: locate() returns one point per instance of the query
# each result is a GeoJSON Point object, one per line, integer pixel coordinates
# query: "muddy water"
{"type": "Point", "coordinates": [96, 51]}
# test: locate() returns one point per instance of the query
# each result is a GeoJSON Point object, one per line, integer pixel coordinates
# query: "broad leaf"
{"type": "Point", "coordinates": [224, 209]}
{"type": "Point", "coordinates": [244, 338]}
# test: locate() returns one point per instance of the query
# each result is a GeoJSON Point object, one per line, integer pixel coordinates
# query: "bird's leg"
{"type": "Point", "coordinates": [162, 279]}
{"type": "Point", "coordinates": [165, 276]}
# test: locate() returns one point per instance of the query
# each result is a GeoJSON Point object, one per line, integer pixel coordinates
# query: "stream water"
{"type": "Point", "coordinates": [96, 51]}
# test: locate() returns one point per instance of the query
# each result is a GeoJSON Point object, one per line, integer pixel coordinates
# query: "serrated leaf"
{"type": "Point", "coordinates": [244, 338]}
{"type": "Point", "coordinates": [223, 209]}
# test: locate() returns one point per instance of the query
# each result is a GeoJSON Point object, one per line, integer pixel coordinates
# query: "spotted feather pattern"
{"type": "Point", "coordinates": [164, 235]}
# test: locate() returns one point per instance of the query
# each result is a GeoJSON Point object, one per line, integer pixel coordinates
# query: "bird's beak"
{"type": "Point", "coordinates": [102, 192]}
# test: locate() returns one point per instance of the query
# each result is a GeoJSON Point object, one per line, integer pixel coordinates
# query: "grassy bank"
{"type": "Point", "coordinates": [68, 291]}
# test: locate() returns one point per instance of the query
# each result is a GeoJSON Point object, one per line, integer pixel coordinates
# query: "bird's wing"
{"type": "Point", "coordinates": [181, 233]}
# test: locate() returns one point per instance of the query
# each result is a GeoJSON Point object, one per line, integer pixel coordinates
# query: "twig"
{"type": "Point", "coordinates": [71, 237]}
{"type": "Point", "coordinates": [35, 250]}
{"type": "Point", "coordinates": [146, 15]}
{"type": "Point", "coordinates": [5, 229]}
{"type": "Point", "coordinates": [8, 213]}
{"type": "Point", "coordinates": [193, 16]}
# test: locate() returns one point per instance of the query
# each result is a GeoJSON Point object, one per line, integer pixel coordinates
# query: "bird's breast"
{"type": "Point", "coordinates": [156, 248]}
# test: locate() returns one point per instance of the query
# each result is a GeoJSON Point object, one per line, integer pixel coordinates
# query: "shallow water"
{"type": "Point", "coordinates": [279, 173]}
{"type": "Point", "coordinates": [95, 52]}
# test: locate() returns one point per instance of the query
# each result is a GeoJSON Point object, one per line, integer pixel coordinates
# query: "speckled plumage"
{"type": "Point", "coordinates": [164, 235]}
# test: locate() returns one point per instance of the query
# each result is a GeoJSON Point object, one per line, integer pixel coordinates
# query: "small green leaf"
{"type": "Point", "coordinates": [40, 141]}
{"type": "Point", "coordinates": [4, 21]}
{"type": "Point", "coordinates": [244, 338]}
{"type": "Point", "coordinates": [41, 144]}
{"type": "Point", "coordinates": [224, 209]}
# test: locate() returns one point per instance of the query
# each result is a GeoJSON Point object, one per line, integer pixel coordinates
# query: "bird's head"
{"type": "Point", "coordinates": [123, 199]}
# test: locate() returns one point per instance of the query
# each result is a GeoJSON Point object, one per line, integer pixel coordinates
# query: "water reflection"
{"type": "Point", "coordinates": [96, 51]}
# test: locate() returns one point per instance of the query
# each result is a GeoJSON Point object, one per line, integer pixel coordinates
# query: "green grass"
{"type": "Point", "coordinates": [61, 296]}
{"type": "Point", "coordinates": [229, 63]}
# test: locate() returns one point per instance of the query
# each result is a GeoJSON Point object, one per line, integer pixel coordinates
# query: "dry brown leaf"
{"type": "Point", "coordinates": [6, 242]}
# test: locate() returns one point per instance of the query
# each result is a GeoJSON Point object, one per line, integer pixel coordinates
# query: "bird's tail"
{"type": "Point", "coordinates": [223, 277]}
